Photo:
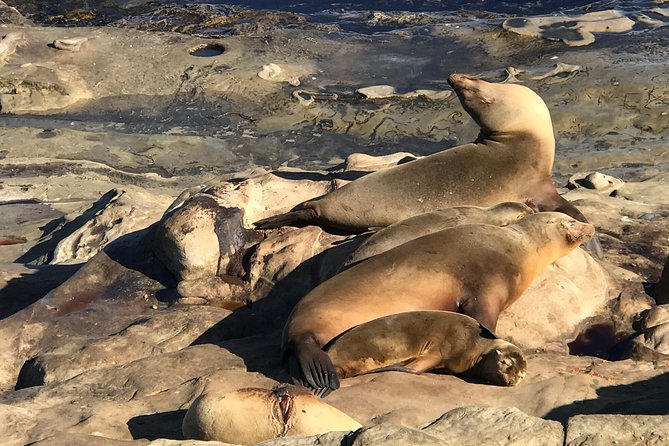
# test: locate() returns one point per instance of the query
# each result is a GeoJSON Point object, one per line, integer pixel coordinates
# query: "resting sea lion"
{"type": "Point", "coordinates": [418, 341]}
{"type": "Point", "coordinates": [478, 270]}
{"type": "Point", "coordinates": [429, 222]}
{"type": "Point", "coordinates": [511, 160]}
{"type": "Point", "coordinates": [249, 416]}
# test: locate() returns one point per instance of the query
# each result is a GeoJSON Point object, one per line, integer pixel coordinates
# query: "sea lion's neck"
{"type": "Point", "coordinates": [535, 142]}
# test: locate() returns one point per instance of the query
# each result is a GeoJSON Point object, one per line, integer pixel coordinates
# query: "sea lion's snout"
{"type": "Point", "coordinates": [460, 81]}
{"type": "Point", "coordinates": [578, 232]}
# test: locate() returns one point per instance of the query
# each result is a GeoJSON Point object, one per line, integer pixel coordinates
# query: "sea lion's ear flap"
{"type": "Point", "coordinates": [486, 332]}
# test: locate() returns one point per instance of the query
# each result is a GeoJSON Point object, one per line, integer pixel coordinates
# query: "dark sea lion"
{"type": "Point", "coordinates": [429, 222]}
{"type": "Point", "coordinates": [478, 270]}
{"type": "Point", "coordinates": [418, 341]}
{"type": "Point", "coordinates": [511, 160]}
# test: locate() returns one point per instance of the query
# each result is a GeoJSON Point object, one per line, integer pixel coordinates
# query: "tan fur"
{"type": "Point", "coordinates": [419, 341]}
{"type": "Point", "coordinates": [429, 222]}
{"type": "Point", "coordinates": [477, 270]}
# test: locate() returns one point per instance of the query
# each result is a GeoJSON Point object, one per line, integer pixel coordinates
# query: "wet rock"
{"type": "Point", "coordinates": [248, 416]}
{"type": "Point", "coordinates": [11, 15]}
{"type": "Point", "coordinates": [274, 73]}
{"type": "Point", "coordinates": [628, 430]}
{"type": "Point", "coordinates": [574, 31]}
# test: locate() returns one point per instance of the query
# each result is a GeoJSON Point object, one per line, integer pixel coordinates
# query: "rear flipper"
{"type": "Point", "coordinates": [415, 366]}
{"type": "Point", "coordinates": [312, 368]}
{"type": "Point", "coordinates": [299, 216]}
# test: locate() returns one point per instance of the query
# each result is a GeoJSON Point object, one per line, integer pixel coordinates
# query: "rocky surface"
{"type": "Point", "coordinates": [97, 147]}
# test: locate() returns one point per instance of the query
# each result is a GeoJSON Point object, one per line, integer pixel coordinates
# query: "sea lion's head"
{"type": "Point", "coordinates": [503, 365]}
{"type": "Point", "coordinates": [502, 108]}
{"type": "Point", "coordinates": [556, 231]}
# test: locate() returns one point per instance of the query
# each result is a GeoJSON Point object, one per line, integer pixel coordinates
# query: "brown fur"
{"type": "Point", "coordinates": [418, 341]}
{"type": "Point", "coordinates": [478, 270]}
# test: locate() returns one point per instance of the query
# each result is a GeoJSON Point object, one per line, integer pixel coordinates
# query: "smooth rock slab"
{"type": "Point", "coordinates": [498, 426]}
{"type": "Point", "coordinates": [627, 430]}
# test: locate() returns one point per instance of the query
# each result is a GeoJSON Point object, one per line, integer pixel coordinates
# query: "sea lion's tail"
{"type": "Point", "coordinates": [292, 218]}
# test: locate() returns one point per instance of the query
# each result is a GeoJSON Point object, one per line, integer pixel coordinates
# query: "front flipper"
{"type": "Point", "coordinates": [312, 368]}
{"type": "Point", "coordinates": [415, 366]}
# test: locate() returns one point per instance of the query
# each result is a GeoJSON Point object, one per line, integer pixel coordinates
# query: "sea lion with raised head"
{"type": "Point", "coordinates": [511, 160]}
{"type": "Point", "coordinates": [478, 270]}
{"type": "Point", "coordinates": [419, 341]}
{"type": "Point", "coordinates": [429, 222]}
{"type": "Point", "coordinates": [249, 416]}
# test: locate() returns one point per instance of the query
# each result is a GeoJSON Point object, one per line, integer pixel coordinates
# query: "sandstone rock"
{"type": "Point", "coordinates": [598, 181]}
{"type": "Point", "coordinates": [567, 294]}
{"type": "Point", "coordinates": [660, 292]}
{"type": "Point", "coordinates": [494, 426]}
{"type": "Point", "coordinates": [652, 317]}
{"type": "Point", "coordinates": [628, 430]}
{"type": "Point", "coordinates": [248, 416]}
{"type": "Point", "coordinates": [73, 44]}
{"type": "Point", "coordinates": [163, 331]}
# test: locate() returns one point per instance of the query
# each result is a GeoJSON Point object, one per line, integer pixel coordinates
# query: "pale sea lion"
{"type": "Point", "coordinates": [248, 416]}
{"type": "Point", "coordinates": [429, 222]}
{"type": "Point", "coordinates": [478, 270]}
{"type": "Point", "coordinates": [418, 341]}
{"type": "Point", "coordinates": [511, 160]}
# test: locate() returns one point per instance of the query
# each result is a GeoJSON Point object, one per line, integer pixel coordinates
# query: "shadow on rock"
{"type": "Point", "coordinates": [647, 397]}
{"type": "Point", "coordinates": [158, 425]}
{"type": "Point", "coordinates": [23, 291]}
{"type": "Point", "coordinates": [254, 332]}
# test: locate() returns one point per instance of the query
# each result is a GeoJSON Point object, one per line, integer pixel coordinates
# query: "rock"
{"type": "Point", "coordinates": [660, 291]}
{"type": "Point", "coordinates": [164, 331]}
{"type": "Point", "coordinates": [499, 426]}
{"type": "Point", "coordinates": [203, 238]}
{"type": "Point", "coordinates": [387, 91]}
{"type": "Point", "coordinates": [214, 290]}
{"type": "Point", "coordinates": [567, 294]}
{"type": "Point", "coordinates": [369, 163]}
{"type": "Point", "coordinates": [600, 182]}
{"type": "Point", "coordinates": [274, 73]}
{"type": "Point", "coordinates": [248, 416]}
{"type": "Point", "coordinates": [652, 317]}
{"type": "Point", "coordinates": [628, 430]}
{"type": "Point", "coordinates": [392, 434]}
{"type": "Point", "coordinates": [574, 31]}
{"type": "Point", "coordinates": [39, 88]}
{"type": "Point", "coordinates": [73, 44]}
{"type": "Point", "coordinates": [327, 439]}
{"type": "Point", "coordinates": [11, 15]}
{"type": "Point", "coordinates": [9, 43]}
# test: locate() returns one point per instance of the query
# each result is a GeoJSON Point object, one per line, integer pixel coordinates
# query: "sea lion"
{"type": "Point", "coordinates": [478, 270]}
{"type": "Point", "coordinates": [429, 222]}
{"type": "Point", "coordinates": [660, 291]}
{"type": "Point", "coordinates": [249, 416]}
{"type": "Point", "coordinates": [418, 341]}
{"type": "Point", "coordinates": [511, 160]}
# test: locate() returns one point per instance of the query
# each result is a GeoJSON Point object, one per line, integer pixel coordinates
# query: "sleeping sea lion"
{"type": "Point", "coordinates": [418, 341]}
{"type": "Point", "coordinates": [251, 415]}
{"type": "Point", "coordinates": [429, 222]}
{"type": "Point", "coordinates": [478, 270]}
{"type": "Point", "coordinates": [511, 160]}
